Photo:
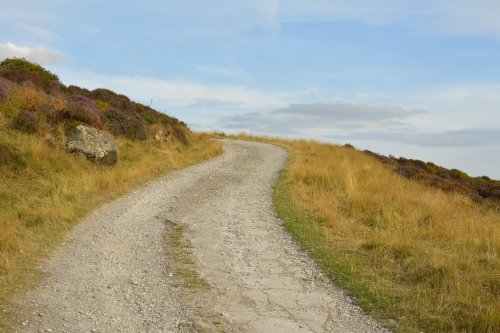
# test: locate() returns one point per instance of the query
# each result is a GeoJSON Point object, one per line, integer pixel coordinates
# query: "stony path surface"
{"type": "Point", "coordinates": [117, 273]}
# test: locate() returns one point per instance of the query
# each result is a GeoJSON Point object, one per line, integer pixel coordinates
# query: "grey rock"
{"type": "Point", "coordinates": [92, 143]}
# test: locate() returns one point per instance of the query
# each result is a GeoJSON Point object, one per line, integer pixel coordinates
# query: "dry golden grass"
{"type": "Point", "coordinates": [44, 191]}
{"type": "Point", "coordinates": [408, 252]}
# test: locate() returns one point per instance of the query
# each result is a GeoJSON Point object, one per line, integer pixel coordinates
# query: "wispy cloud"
{"type": "Point", "coordinates": [37, 31]}
{"type": "Point", "coordinates": [36, 54]}
{"type": "Point", "coordinates": [471, 17]}
{"type": "Point", "coordinates": [468, 137]}
{"type": "Point", "coordinates": [458, 17]}
{"type": "Point", "coordinates": [451, 107]}
{"type": "Point", "coordinates": [321, 118]}
{"type": "Point", "coordinates": [221, 71]}
{"type": "Point", "coordinates": [271, 13]}
{"type": "Point", "coordinates": [182, 93]}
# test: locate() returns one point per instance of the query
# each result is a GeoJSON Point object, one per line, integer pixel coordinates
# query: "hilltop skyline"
{"type": "Point", "coordinates": [420, 80]}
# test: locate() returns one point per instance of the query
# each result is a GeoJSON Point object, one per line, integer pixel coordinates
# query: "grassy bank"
{"type": "Point", "coordinates": [415, 257]}
{"type": "Point", "coordinates": [44, 191]}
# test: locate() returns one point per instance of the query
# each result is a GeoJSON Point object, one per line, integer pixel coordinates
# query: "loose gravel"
{"type": "Point", "coordinates": [115, 271]}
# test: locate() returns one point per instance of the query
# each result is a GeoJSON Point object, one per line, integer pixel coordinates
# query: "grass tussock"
{"type": "Point", "coordinates": [408, 252]}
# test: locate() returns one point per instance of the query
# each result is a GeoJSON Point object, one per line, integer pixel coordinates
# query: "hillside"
{"type": "Point", "coordinates": [35, 97]}
{"type": "Point", "coordinates": [416, 257]}
{"type": "Point", "coordinates": [43, 189]}
{"type": "Point", "coordinates": [481, 188]}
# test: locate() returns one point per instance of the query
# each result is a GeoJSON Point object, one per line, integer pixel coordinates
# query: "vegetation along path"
{"type": "Point", "coordinates": [199, 250]}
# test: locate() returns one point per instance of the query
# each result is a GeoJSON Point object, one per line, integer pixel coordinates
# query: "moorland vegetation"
{"type": "Point", "coordinates": [418, 257]}
{"type": "Point", "coordinates": [44, 191]}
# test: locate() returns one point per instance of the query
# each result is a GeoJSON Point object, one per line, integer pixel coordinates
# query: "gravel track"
{"type": "Point", "coordinates": [116, 273]}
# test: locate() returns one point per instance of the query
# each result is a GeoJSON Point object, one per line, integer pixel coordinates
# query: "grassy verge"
{"type": "Point", "coordinates": [44, 192]}
{"type": "Point", "coordinates": [414, 257]}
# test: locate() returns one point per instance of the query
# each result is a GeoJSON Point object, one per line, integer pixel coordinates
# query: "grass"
{"type": "Point", "coordinates": [190, 278]}
{"type": "Point", "coordinates": [44, 192]}
{"type": "Point", "coordinates": [413, 256]}
{"type": "Point", "coordinates": [180, 252]}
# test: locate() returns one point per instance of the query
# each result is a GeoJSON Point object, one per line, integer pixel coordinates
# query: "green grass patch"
{"type": "Point", "coordinates": [181, 254]}
{"type": "Point", "coordinates": [191, 278]}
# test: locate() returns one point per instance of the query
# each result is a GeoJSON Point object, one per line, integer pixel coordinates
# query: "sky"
{"type": "Point", "coordinates": [419, 79]}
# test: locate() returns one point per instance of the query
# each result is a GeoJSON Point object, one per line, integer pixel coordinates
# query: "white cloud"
{"type": "Point", "coordinates": [462, 17]}
{"type": "Point", "coordinates": [35, 54]}
{"type": "Point", "coordinates": [457, 17]}
{"type": "Point", "coordinates": [468, 137]}
{"type": "Point", "coordinates": [179, 93]}
{"type": "Point", "coordinates": [37, 31]}
{"type": "Point", "coordinates": [321, 118]}
{"type": "Point", "coordinates": [472, 17]}
{"type": "Point", "coordinates": [221, 71]}
{"type": "Point", "coordinates": [271, 10]}
{"type": "Point", "coordinates": [452, 107]}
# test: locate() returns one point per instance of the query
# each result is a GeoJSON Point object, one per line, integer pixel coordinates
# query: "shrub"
{"type": "Point", "coordinates": [26, 121]}
{"type": "Point", "coordinates": [5, 155]}
{"type": "Point", "coordinates": [103, 106]}
{"type": "Point", "coordinates": [114, 99]}
{"type": "Point", "coordinates": [28, 97]}
{"type": "Point", "coordinates": [495, 194]}
{"type": "Point", "coordinates": [83, 109]}
{"type": "Point", "coordinates": [457, 174]}
{"type": "Point", "coordinates": [50, 115]}
{"type": "Point", "coordinates": [21, 65]}
{"type": "Point", "coordinates": [4, 93]}
{"type": "Point", "coordinates": [180, 134]}
{"type": "Point", "coordinates": [405, 171]}
{"type": "Point", "coordinates": [127, 124]}
{"type": "Point", "coordinates": [20, 70]}
{"type": "Point", "coordinates": [49, 87]}
{"type": "Point", "coordinates": [75, 90]}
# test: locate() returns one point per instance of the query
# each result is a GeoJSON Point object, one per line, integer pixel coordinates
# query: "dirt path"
{"type": "Point", "coordinates": [197, 251]}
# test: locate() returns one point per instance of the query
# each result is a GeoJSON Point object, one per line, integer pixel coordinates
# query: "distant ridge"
{"type": "Point", "coordinates": [454, 180]}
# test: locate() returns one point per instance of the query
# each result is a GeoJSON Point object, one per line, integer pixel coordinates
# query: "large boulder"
{"type": "Point", "coordinates": [92, 143]}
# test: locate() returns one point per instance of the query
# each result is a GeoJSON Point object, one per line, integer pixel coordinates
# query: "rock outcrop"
{"type": "Point", "coordinates": [92, 143]}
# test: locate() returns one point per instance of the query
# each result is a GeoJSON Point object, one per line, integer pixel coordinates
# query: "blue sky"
{"type": "Point", "coordinates": [419, 79]}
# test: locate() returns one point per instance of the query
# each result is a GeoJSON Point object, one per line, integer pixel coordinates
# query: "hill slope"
{"type": "Point", "coordinates": [44, 190]}
{"type": "Point", "coordinates": [416, 257]}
